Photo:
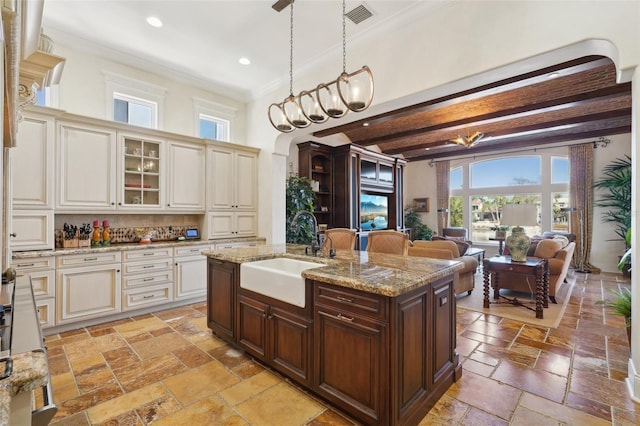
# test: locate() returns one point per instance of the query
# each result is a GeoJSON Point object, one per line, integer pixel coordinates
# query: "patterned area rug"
{"type": "Point", "coordinates": [552, 314]}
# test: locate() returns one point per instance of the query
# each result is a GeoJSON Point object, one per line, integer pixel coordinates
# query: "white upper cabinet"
{"type": "Point", "coordinates": [32, 163]}
{"type": "Point", "coordinates": [86, 167]}
{"type": "Point", "coordinates": [186, 177]}
{"type": "Point", "coordinates": [233, 179]}
{"type": "Point", "coordinates": [140, 172]}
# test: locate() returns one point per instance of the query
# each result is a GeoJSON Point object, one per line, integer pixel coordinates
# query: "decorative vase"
{"type": "Point", "coordinates": [518, 244]}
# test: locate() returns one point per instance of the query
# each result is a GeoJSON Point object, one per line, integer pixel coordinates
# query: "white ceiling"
{"type": "Point", "coordinates": [202, 40]}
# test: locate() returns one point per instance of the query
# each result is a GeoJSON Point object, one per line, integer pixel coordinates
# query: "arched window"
{"type": "Point", "coordinates": [480, 187]}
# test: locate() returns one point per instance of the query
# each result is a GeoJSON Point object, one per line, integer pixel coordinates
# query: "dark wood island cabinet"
{"type": "Point", "coordinates": [382, 354]}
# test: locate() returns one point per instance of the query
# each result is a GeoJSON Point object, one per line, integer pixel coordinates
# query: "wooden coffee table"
{"type": "Point", "coordinates": [534, 266]}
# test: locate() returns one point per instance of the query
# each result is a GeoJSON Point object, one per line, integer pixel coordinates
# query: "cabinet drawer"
{"type": "Point", "coordinates": [46, 312]}
{"type": "Point", "coordinates": [151, 265]}
{"type": "Point", "coordinates": [239, 244]}
{"type": "Point", "coordinates": [351, 301]}
{"type": "Point", "coordinates": [147, 296]}
{"type": "Point", "coordinates": [147, 279]}
{"type": "Point", "coordinates": [146, 254]}
{"type": "Point", "coordinates": [88, 259]}
{"type": "Point", "coordinates": [189, 250]}
{"type": "Point", "coordinates": [24, 265]}
{"type": "Point", "coordinates": [43, 283]}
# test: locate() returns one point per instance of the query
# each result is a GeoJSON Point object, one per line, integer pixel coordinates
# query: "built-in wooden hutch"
{"type": "Point", "coordinates": [356, 188]}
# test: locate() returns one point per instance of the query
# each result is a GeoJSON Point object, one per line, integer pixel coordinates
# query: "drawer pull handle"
{"type": "Point", "coordinates": [25, 265]}
{"type": "Point", "coordinates": [90, 259]}
{"type": "Point", "coordinates": [148, 266]}
{"type": "Point", "coordinates": [148, 254]}
{"type": "Point", "coordinates": [195, 250]}
{"type": "Point", "coordinates": [148, 279]}
{"type": "Point", "coordinates": [345, 318]}
{"type": "Point", "coordinates": [148, 297]}
{"type": "Point", "coordinates": [344, 299]}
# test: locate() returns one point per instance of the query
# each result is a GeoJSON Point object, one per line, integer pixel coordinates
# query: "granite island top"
{"type": "Point", "coordinates": [379, 273]}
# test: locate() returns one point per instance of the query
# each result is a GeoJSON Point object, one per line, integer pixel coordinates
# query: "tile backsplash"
{"type": "Point", "coordinates": [131, 228]}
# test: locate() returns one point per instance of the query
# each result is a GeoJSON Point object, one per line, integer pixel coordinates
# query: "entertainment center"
{"type": "Point", "coordinates": [357, 188]}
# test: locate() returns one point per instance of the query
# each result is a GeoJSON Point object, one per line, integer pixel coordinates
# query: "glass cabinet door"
{"type": "Point", "coordinates": [141, 173]}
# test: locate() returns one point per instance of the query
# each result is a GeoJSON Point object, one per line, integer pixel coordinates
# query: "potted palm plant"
{"type": "Point", "coordinates": [620, 305]}
{"type": "Point", "coordinates": [300, 196]}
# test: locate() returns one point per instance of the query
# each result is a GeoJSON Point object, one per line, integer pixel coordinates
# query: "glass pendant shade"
{"type": "Point", "coordinates": [311, 107]}
{"type": "Point", "coordinates": [330, 100]}
{"type": "Point", "coordinates": [356, 89]}
{"type": "Point", "coordinates": [278, 119]}
{"type": "Point", "coordinates": [293, 112]}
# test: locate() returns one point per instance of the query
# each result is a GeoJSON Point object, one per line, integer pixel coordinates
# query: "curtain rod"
{"type": "Point", "coordinates": [602, 143]}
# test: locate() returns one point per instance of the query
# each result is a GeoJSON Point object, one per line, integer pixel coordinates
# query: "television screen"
{"type": "Point", "coordinates": [374, 212]}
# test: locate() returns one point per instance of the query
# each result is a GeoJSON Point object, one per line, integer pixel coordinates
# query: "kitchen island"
{"type": "Point", "coordinates": [375, 336]}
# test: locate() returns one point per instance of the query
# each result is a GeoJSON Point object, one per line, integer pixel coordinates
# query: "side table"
{"type": "Point", "coordinates": [500, 244]}
{"type": "Point", "coordinates": [534, 266]}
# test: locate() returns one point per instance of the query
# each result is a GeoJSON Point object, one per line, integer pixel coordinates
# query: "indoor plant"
{"type": "Point", "coordinates": [412, 220]}
{"type": "Point", "coordinates": [620, 305]}
{"type": "Point", "coordinates": [616, 198]}
{"type": "Point", "coordinates": [300, 196]}
{"type": "Point", "coordinates": [501, 230]}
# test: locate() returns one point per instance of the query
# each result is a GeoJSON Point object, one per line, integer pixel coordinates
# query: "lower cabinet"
{"type": "Point", "coordinates": [87, 292]}
{"type": "Point", "coordinates": [190, 272]}
{"type": "Point", "coordinates": [147, 278]}
{"type": "Point", "coordinates": [43, 280]}
{"type": "Point", "coordinates": [222, 282]}
{"type": "Point", "coordinates": [276, 335]}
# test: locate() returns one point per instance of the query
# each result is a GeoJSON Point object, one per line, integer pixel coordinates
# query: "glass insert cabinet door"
{"type": "Point", "coordinates": [142, 183]}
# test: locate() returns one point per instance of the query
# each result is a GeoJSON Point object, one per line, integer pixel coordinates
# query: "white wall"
{"type": "Point", "coordinates": [83, 91]}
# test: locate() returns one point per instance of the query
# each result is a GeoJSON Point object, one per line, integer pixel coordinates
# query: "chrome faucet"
{"type": "Point", "coordinates": [315, 247]}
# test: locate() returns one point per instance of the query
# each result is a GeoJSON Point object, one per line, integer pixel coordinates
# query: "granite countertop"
{"type": "Point", "coordinates": [127, 246]}
{"type": "Point", "coordinates": [30, 371]}
{"type": "Point", "coordinates": [379, 273]}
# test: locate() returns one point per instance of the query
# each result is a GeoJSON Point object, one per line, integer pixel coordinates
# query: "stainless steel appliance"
{"type": "Point", "coordinates": [20, 327]}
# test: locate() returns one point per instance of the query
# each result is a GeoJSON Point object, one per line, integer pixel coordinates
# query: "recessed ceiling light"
{"type": "Point", "coordinates": [554, 75]}
{"type": "Point", "coordinates": [154, 22]}
{"type": "Point", "coordinates": [244, 61]}
{"type": "Point", "coordinates": [365, 124]}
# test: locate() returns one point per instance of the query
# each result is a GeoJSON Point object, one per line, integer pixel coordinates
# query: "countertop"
{"type": "Point", "coordinates": [379, 273]}
{"type": "Point", "coordinates": [128, 246]}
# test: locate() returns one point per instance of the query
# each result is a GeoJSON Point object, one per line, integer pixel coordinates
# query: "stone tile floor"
{"type": "Point", "coordinates": [166, 368]}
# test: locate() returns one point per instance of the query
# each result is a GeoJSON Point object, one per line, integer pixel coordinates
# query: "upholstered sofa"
{"type": "Point", "coordinates": [444, 249]}
{"type": "Point", "coordinates": [558, 252]}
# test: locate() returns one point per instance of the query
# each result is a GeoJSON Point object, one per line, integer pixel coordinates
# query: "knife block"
{"type": "Point", "coordinates": [72, 243]}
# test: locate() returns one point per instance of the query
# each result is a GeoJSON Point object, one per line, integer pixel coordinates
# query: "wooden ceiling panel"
{"type": "Point", "coordinates": [583, 99]}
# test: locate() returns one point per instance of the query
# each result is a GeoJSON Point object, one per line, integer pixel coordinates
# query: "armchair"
{"type": "Point", "coordinates": [442, 249]}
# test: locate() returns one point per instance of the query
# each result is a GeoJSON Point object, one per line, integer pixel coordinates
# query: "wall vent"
{"type": "Point", "coordinates": [359, 14]}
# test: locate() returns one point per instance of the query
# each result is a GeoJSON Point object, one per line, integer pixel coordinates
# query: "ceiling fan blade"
{"type": "Point", "coordinates": [281, 4]}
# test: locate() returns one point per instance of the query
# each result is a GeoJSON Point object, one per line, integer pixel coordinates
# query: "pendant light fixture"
{"type": "Point", "coordinates": [349, 92]}
{"type": "Point", "coordinates": [288, 115]}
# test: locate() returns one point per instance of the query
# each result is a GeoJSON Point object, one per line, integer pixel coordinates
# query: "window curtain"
{"type": "Point", "coordinates": [581, 197]}
{"type": "Point", "coordinates": [442, 193]}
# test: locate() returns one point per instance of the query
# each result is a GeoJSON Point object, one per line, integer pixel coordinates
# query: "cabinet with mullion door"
{"type": "Point", "coordinates": [141, 186]}
{"type": "Point", "coordinates": [315, 163]}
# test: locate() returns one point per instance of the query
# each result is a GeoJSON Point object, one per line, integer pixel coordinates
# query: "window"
{"type": "Point", "coordinates": [213, 120]}
{"type": "Point", "coordinates": [512, 172]}
{"type": "Point", "coordinates": [136, 111]}
{"type": "Point", "coordinates": [213, 128]}
{"type": "Point", "coordinates": [559, 170]}
{"type": "Point", "coordinates": [479, 188]}
{"type": "Point", "coordinates": [47, 96]}
{"type": "Point", "coordinates": [134, 101]}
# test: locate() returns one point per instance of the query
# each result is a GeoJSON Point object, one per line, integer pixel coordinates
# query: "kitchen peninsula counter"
{"type": "Point", "coordinates": [375, 336]}
{"type": "Point", "coordinates": [379, 273]}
